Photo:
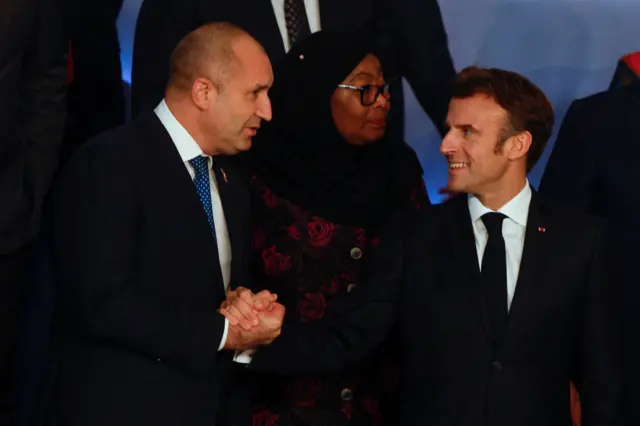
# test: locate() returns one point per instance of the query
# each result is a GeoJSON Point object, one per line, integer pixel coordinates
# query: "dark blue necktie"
{"type": "Point", "coordinates": [494, 275]}
{"type": "Point", "coordinates": [201, 180]}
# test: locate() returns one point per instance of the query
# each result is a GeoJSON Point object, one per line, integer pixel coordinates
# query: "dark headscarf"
{"type": "Point", "coordinates": [301, 156]}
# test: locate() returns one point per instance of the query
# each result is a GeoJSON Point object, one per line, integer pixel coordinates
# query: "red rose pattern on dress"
{"type": "Point", "coordinates": [275, 263]}
{"type": "Point", "coordinates": [306, 260]}
{"type": "Point", "coordinates": [338, 284]}
{"type": "Point", "coordinates": [305, 391]}
{"type": "Point", "coordinates": [264, 418]}
{"type": "Point", "coordinates": [375, 241]}
{"type": "Point", "coordinates": [294, 232]}
{"type": "Point", "coordinates": [258, 239]}
{"type": "Point", "coordinates": [268, 197]}
{"type": "Point", "coordinates": [347, 410]}
{"type": "Point", "coordinates": [331, 288]}
{"type": "Point", "coordinates": [320, 231]}
{"type": "Point", "coordinates": [360, 237]}
{"type": "Point", "coordinates": [312, 307]}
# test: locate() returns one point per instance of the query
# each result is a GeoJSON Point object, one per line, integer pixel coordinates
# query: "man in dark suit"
{"type": "Point", "coordinates": [33, 71]}
{"type": "Point", "coordinates": [501, 298]}
{"type": "Point", "coordinates": [597, 133]}
{"type": "Point", "coordinates": [407, 35]}
{"type": "Point", "coordinates": [150, 229]}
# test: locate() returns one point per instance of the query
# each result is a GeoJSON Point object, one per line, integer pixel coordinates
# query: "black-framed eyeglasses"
{"type": "Point", "coordinates": [369, 92]}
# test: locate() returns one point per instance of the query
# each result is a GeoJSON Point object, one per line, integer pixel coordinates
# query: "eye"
{"type": "Point", "coordinates": [467, 132]}
{"type": "Point", "coordinates": [254, 93]}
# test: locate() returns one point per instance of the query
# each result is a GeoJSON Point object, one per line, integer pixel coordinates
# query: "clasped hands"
{"type": "Point", "coordinates": [254, 319]}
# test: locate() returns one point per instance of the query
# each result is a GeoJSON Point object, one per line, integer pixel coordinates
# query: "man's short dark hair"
{"type": "Point", "coordinates": [528, 108]}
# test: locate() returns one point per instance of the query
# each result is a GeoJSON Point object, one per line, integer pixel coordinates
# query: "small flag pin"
{"type": "Point", "coordinates": [542, 229]}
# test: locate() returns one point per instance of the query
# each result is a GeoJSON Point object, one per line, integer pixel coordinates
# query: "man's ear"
{"type": "Point", "coordinates": [203, 92]}
{"type": "Point", "coordinates": [519, 145]}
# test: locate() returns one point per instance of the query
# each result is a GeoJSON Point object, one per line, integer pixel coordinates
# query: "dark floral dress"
{"type": "Point", "coordinates": [308, 261]}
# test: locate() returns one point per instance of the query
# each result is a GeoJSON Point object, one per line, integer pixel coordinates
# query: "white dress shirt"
{"type": "Point", "coordinates": [189, 149]}
{"type": "Point", "coordinates": [513, 231]}
{"type": "Point", "coordinates": [313, 16]}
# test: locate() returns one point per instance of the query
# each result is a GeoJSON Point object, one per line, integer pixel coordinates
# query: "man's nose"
{"type": "Point", "coordinates": [264, 109]}
{"type": "Point", "coordinates": [448, 145]}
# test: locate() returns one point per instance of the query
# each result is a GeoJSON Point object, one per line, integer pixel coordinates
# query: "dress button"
{"type": "Point", "coordinates": [351, 287]}
{"type": "Point", "coordinates": [356, 253]}
{"type": "Point", "coordinates": [346, 394]}
{"type": "Point", "coordinates": [497, 365]}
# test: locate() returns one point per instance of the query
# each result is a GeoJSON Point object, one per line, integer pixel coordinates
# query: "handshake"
{"type": "Point", "coordinates": [254, 319]}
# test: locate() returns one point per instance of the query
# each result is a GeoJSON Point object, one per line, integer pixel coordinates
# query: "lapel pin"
{"type": "Point", "coordinates": [224, 176]}
{"type": "Point", "coordinates": [542, 229]}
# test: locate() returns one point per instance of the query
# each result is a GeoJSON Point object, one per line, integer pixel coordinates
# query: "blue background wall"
{"type": "Point", "coordinates": [568, 47]}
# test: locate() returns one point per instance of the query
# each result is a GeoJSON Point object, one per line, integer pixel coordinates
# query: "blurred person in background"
{"type": "Point", "coordinates": [33, 73]}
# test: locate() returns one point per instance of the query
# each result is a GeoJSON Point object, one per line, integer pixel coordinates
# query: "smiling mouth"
{"type": "Point", "coordinates": [455, 165]}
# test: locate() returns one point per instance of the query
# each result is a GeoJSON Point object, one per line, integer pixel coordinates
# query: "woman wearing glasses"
{"type": "Point", "coordinates": [325, 181]}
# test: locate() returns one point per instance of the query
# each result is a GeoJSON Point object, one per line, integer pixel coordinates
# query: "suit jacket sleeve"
{"type": "Point", "coordinates": [571, 170]}
{"type": "Point", "coordinates": [598, 374]}
{"type": "Point", "coordinates": [354, 326]}
{"type": "Point", "coordinates": [96, 220]}
{"type": "Point", "coordinates": [42, 101]}
{"type": "Point", "coordinates": [161, 25]}
{"type": "Point", "coordinates": [424, 57]}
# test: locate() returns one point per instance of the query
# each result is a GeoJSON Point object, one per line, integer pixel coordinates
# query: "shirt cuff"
{"type": "Point", "coordinates": [244, 357]}
{"type": "Point", "coordinates": [224, 335]}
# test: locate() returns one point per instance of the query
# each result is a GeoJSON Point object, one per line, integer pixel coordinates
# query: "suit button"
{"type": "Point", "coordinates": [497, 365]}
{"type": "Point", "coordinates": [159, 360]}
{"type": "Point", "coordinates": [356, 253]}
{"type": "Point", "coordinates": [351, 287]}
{"type": "Point", "coordinates": [346, 394]}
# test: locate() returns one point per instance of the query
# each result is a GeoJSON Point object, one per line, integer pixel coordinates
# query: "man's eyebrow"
{"type": "Point", "coordinates": [259, 87]}
{"type": "Point", "coordinates": [462, 126]}
{"type": "Point", "coordinates": [467, 127]}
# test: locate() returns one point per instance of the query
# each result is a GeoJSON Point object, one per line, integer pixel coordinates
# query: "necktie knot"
{"type": "Point", "coordinates": [493, 223]}
{"type": "Point", "coordinates": [200, 164]}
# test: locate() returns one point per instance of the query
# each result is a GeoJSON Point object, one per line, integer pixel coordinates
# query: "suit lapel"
{"type": "Point", "coordinates": [536, 246]}
{"type": "Point", "coordinates": [338, 15]}
{"type": "Point", "coordinates": [256, 17]}
{"type": "Point", "coordinates": [263, 25]}
{"type": "Point", "coordinates": [178, 188]}
{"type": "Point", "coordinates": [329, 14]}
{"type": "Point", "coordinates": [231, 191]}
{"type": "Point", "coordinates": [465, 254]}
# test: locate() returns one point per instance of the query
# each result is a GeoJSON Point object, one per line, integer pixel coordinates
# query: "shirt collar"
{"type": "Point", "coordinates": [187, 147]}
{"type": "Point", "coordinates": [517, 209]}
